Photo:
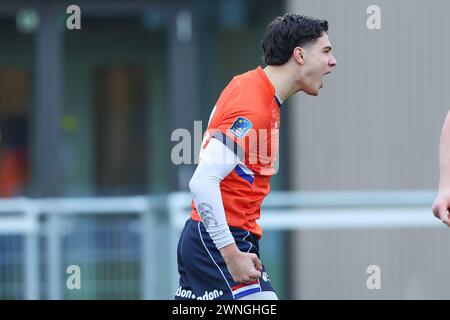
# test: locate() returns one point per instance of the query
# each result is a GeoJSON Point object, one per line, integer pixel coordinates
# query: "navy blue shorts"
{"type": "Point", "coordinates": [203, 272]}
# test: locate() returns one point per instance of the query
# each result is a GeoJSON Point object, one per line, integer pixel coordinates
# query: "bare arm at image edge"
{"type": "Point", "coordinates": [442, 202]}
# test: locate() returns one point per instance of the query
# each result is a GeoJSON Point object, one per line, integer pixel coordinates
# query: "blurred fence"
{"type": "Point", "coordinates": [126, 246]}
{"type": "Point", "coordinates": [114, 241]}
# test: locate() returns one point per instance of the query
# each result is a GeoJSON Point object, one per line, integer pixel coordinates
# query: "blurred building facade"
{"type": "Point", "coordinates": [90, 112]}
{"type": "Point", "coordinates": [375, 126]}
{"type": "Point", "coordinates": [100, 103]}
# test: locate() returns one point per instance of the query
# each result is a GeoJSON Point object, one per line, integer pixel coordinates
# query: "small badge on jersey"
{"type": "Point", "coordinates": [240, 127]}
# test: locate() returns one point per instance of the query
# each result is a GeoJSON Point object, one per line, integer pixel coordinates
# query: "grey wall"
{"type": "Point", "coordinates": [375, 126]}
{"type": "Point", "coordinates": [376, 123]}
{"type": "Point", "coordinates": [333, 264]}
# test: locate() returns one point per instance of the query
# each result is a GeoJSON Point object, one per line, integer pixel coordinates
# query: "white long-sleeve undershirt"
{"type": "Point", "coordinates": [217, 161]}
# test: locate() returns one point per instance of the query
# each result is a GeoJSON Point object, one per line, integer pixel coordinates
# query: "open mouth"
{"type": "Point", "coordinates": [321, 80]}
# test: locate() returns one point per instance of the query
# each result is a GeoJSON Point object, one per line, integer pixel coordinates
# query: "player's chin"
{"type": "Point", "coordinates": [313, 92]}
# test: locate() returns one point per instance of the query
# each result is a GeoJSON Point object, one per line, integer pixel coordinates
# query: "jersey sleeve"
{"type": "Point", "coordinates": [241, 131]}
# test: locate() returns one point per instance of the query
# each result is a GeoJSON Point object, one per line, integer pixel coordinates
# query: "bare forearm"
{"type": "Point", "coordinates": [229, 252]}
{"type": "Point", "coordinates": [444, 155]}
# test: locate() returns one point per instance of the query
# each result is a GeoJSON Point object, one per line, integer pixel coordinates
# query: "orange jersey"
{"type": "Point", "coordinates": [246, 119]}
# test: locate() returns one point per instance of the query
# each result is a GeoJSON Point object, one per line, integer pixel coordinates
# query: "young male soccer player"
{"type": "Point", "coordinates": [218, 252]}
{"type": "Point", "coordinates": [441, 204]}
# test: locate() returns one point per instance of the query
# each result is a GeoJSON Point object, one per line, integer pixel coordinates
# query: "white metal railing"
{"type": "Point", "coordinates": [22, 219]}
{"type": "Point", "coordinates": [280, 211]}
{"type": "Point", "coordinates": [326, 210]}
{"type": "Point", "coordinates": [323, 210]}
{"type": "Point", "coordinates": [20, 216]}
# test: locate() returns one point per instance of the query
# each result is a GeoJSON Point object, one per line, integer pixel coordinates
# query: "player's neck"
{"type": "Point", "coordinates": [279, 77]}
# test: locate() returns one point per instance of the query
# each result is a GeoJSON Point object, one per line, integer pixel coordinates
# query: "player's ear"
{"type": "Point", "coordinates": [299, 55]}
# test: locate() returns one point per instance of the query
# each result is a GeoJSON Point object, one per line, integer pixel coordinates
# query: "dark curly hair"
{"type": "Point", "coordinates": [287, 32]}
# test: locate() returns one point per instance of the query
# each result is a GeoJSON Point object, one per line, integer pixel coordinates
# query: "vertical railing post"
{"type": "Point", "coordinates": [147, 231]}
{"type": "Point", "coordinates": [31, 253]}
{"type": "Point", "coordinates": [54, 257]}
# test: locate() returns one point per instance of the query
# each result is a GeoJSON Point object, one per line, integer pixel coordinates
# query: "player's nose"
{"type": "Point", "coordinates": [332, 62]}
